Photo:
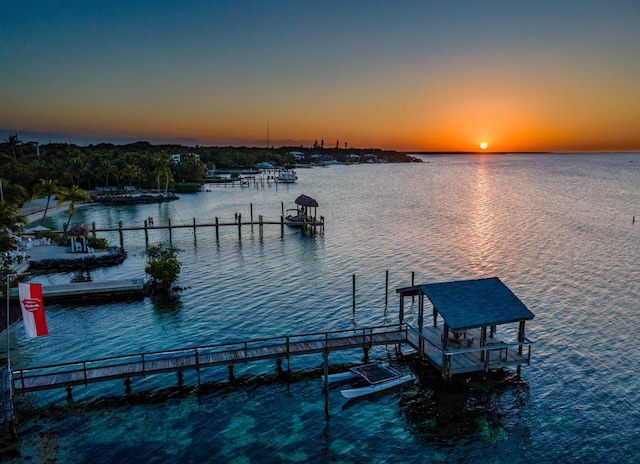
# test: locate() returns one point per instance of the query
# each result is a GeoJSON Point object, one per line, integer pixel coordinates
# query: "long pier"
{"type": "Point", "coordinates": [311, 225]}
{"type": "Point", "coordinates": [67, 375]}
{"type": "Point", "coordinates": [469, 356]}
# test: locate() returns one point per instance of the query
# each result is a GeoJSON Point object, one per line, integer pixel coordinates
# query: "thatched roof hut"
{"type": "Point", "coordinates": [304, 200]}
{"type": "Point", "coordinates": [79, 229]}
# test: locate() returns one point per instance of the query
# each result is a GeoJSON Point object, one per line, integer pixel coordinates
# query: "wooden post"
{"type": "Point", "coordinates": [194, 230]}
{"type": "Point", "coordinates": [354, 292]}
{"type": "Point", "coordinates": [282, 207]}
{"type": "Point", "coordinates": [413, 275]}
{"type": "Point", "coordinates": [217, 234]}
{"type": "Point", "coordinates": [127, 385]}
{"type": "Point", "coordinates": [180, 379]}
{"type": "Point", "coordinates": [69, 393]}
{"type": "Point", "coordinates": [279, 367]}
{"type": "Point", "coordinates": [146, 234]}
{"type": "Point", "coordinates": [93, 229]}
{"type": "Point", "coordinates": [401, 311]}
{"type": "Point", "coordinates": [231, 378]}
{"type": "Point", "coordinates": [261, 225]}
{"type": "Point", "coordinates": [120, 232]}
{"type": "Point", "coordinates": [169, 230]}
{"type": "Point", "coordinates": [239, 226]}
{"type": "Point", "coordinates": [386, 288]}
{"type": "Point", "coordinates": [282, 226]}
{"type": "Point", "coordinates": [251, 214]}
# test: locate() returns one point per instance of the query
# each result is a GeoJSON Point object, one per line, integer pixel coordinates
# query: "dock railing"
{"type": "Point", "coordinates": [142, 364]}
{"type": "Point", "coordinates": [504, 353]}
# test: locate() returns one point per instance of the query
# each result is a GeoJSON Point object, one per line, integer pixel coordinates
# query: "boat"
{"type": "Point", "coordinates": [378, 377]}
{"type": "Point", "coordinates": [300, 215]}
{"type": "Point", "coordinates": [342, 376]}
{"type": "Point", "coordinates": [286, 177]}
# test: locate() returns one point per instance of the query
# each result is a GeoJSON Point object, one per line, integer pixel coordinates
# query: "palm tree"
{"type": "Point", "coordinates": [10, 221]}
{"type": "Point", "coordinates": [71, 194]}
{"type": "Point", "coordinates": [106, 168]}
{"type": "Point", "coordinates": [13, 142]}
{"type": "Point", "coordinates": [46, 188]}
{"type": "Point", "coordinates": [161, 169]}
{"type": "Point", "coordinates": [131, 172]}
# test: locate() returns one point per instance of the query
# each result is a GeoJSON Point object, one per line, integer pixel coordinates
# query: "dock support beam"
{"type": "Point", "coordinates": [217, 228]}
{"type": "Point", "coordinates": [169, 219]}
{"type": "Point", "coordinates": [127, 385]}
{"type": "Point", "coordinates": [69, 393]}
{"type": "Point", "coordinates": [120, 233]}
{"type": "Point", "coordinates": [180, 376]}
{"type": "Point", "coordinates": [146, 234]}
{"type": "Point", "coordinates": [231, 377]}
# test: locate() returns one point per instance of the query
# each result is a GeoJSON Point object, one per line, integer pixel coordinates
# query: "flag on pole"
{"type": "Point", "coordinates": [32, 309]}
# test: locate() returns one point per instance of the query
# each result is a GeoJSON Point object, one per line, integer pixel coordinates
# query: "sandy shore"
{"type": "Point", "coordinates": [33, 210]}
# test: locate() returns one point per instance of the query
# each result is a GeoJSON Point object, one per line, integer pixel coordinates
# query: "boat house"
{"type": "Point", "coordinates": [463, 336]}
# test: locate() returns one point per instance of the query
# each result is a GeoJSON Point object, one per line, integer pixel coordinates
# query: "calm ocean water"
{"type": "Point", "coordinates": [556, 229]}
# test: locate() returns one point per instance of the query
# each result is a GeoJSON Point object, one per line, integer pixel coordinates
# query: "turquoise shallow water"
{"type": "Point", "coordinates": [557, 229]}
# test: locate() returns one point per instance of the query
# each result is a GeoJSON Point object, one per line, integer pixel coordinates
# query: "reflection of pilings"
{"type": "Point", "coordinates": [325, 356]}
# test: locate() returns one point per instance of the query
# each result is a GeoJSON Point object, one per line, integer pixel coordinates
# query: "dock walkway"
{"type": "Point", "coordinates": [140, 365]}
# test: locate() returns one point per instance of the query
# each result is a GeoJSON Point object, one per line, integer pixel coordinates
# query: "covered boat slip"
{"type": "Point", "coordinates": [466, 315]}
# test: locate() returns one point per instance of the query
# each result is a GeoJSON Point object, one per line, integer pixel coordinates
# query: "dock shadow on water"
{"type": "Point", "coordinates": [485, 406]}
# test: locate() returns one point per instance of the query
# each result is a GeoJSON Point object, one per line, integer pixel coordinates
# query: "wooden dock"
{"type": "Point", "coordinates": [468, 357]}
{"type": "Point", "coordinates": [311, 225]}
{"type": "Point", "coordinates": [140, 365]}
{"type": "Point", "coordinates": [114, 289]}
{"type": "Point", "coordinates": [465, 354]}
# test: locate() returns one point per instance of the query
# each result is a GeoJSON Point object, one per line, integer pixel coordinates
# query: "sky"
{"type": "Point", "coordinates": [412, 75]}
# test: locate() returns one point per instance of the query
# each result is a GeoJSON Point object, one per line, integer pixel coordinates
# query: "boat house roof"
{"type": "Point", "coordinates": [473, 303]}
{"type": "Point", "coordinates": [304, 200]}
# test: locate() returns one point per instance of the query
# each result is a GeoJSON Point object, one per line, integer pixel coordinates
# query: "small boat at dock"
{"type": "Point", "coordinates": [377, 377]}
{"type": "Point", "coordinates": [286, 177]}
{"type": "Point", "coordinates": [301, 215]}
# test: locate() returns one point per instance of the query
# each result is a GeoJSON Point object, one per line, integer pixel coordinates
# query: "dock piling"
{"type": "Point", "coordinates": [146, 234]}
{"type": "Point", "coordinates": [169, 219]}
{"type": "Point", "coordinates": [217, 227]}
{"type": "Point", "coordinates": [386, 289]}
{"type": "Point", "coordinates": [120, 233]}
{"type": "Point", "coordinates": [194, 231]}
{"type": "Point", "coordinates": [354, 293]}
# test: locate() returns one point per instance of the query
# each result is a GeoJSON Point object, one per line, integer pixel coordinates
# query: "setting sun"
{"type": "Point", "coordinates": [484, 145]}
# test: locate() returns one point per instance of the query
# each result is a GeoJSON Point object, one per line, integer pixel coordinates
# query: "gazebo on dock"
{"type": "Point", "coordinates": [466, 315]}
{"type": "Point", "coordinates": [305, 202]}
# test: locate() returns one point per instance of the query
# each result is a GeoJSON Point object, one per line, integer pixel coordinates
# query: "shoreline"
{"type": "Point", "coordinates": [32, 210]}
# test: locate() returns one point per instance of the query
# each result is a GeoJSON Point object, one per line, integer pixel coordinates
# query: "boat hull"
{"type": "Point", "coordinates": [370, 389]}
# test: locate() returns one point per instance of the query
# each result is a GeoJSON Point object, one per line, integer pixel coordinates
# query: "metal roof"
{"type": "Point", "coordinates": [474, 303]}
{"type": "Point", "coordinates": [304, 200]}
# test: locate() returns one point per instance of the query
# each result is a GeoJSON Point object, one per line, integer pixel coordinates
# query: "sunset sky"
{"type": "Point", "coordinates": [409, 75]}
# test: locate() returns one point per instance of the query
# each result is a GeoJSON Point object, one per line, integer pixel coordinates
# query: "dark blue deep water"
{"type": "Point", "coordinates": [556, 229]}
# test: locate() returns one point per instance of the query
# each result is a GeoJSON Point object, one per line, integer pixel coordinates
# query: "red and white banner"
{"type": "Point", "coordinates": [32, 309]}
